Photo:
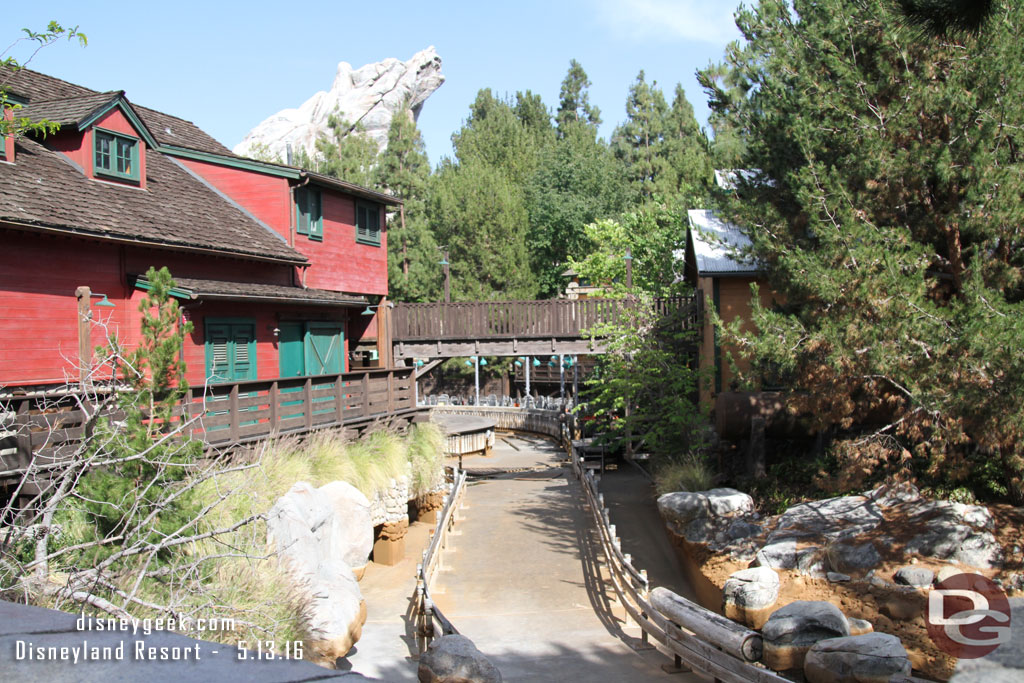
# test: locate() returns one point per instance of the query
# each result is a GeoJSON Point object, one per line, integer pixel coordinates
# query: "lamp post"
{"type": "Point", "coordinates": [629, 268]}
{"type": "Point", "coordinates": [447, 284]}
{"type": "Point", "coordinates": [476, 362]}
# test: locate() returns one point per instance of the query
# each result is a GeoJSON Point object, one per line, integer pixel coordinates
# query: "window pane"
{"type": "Point", "coordinates": [103, 151]}
{"type": "Point", "coordinates": [124, 155]}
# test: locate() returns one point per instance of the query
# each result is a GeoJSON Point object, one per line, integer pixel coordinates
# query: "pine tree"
{"type": "Point", "coordinates": [686, 150]}
{"type": "Point", "coordinates": [346, 152]}
{"type": "Point", "coordinates": [639, 142]}
{"type": "Point", "coordinates": [886, 210]}
{"type": "Point", "coordinates": [574, 101]}
{"type": "Point", "coordinates": [404, 170]}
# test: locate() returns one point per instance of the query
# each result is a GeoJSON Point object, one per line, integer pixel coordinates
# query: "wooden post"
{"type": "Point", "coordinates": [339, 399]}
{"type": "Point", "coordinates": [391, 391]}
{"type": "Point", "coordinates": [275, 418]}
{"type": "Point", "coordinates": [307, 400]}
{"type": "Point", "coordinates": [84, 294]}
{"type": "Point", "coordinates": [385, 334]}
{"type": "Point", "coordinates": [234, 412]}
{"type": "Point", "coordinates": [366, 394]}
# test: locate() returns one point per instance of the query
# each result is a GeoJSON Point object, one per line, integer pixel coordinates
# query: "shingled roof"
{"type": "Point", "coordinates": [45, 190]}
{"type": "Point", "coordinates": [225, 290]}
{"type": "Point", "coordinates": [168, 130]}
{"type": "Point", "coordinates": [69, 110]}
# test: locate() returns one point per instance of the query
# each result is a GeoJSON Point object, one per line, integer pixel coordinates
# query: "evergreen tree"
{"type": "Point", "coordinates": [639, 142]}
{"type": "Point", "coordinates": [886, 210]}
{"type": "Point", "coordinates": [404, 170]}
{"type": "Point", "coordinates": [346, 152]}
{"type": "Point", "coordinates": [686, 150]}
{"type": "Point", "coordinates": [574, 101]}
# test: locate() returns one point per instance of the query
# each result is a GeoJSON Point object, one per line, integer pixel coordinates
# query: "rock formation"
{"type": "Point", "coordinates": [455, 659]}
{"type": "Point", "coordinates": [369, 95]}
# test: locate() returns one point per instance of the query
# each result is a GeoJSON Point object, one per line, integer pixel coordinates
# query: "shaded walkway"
{"type": "Point", "coordinates": [523, 576]}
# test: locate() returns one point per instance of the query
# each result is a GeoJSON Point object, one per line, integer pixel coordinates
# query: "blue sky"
{"type": "Point", "coordinates": [228, 65]}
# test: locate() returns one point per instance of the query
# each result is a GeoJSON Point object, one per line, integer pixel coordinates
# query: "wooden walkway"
{"type": "Point", "coordinates": [508, 328]}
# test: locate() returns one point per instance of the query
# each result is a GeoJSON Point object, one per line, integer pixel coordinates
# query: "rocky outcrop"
{"type": "Point", "coordinates": [870, 658]}
{"type": "Point", "coordinates": [790, 631]}
{"type": "Point", "coordinates": [749, 595]}
{"type": "Point", "coordinates": [720, 518]}
{"type": "Point", "coordinates": [312, 539]}
{"type": "Point", "coordinates": [455, 659]}
{"type": "Point", "coordinates": [369, 95]}
{"type": "Point", "coordinates": [352, 516]}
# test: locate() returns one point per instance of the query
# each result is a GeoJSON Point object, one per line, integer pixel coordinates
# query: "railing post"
{"type": "Point", "coordinates": [233, 402]}
{"type": "Point", "coordinates": [366, 395]}
{"type": "Point", "coordinates": [391, 391]}
{"type": "Point", "coordinates": [307, 399]}
{"type": "Point", "coordinates": [339, 398]}
{"type": "Point", "coordinates": [275, 418]}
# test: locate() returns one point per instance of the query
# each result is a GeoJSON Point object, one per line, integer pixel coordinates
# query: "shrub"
{"type": "Point", "coordinates": [688, 473]}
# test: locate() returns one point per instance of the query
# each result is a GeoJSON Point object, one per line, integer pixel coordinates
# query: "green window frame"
{"type": "Point", "coordinates": [115, 155]}
{"type": "Point", "coordinates": [309, 219]}
{"type": "Point", "coordinates": [230, 349]}
{"type": "Point", "coordinates": [368, 224]}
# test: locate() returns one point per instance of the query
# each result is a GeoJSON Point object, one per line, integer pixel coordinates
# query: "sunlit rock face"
{"type": "Point", "coordinates": [369, 95]}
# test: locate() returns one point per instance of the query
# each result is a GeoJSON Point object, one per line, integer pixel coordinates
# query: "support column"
{"type": "Point", "coordinates": [385, 335]}
{"type": "Point", "coordinates": [84, 295]}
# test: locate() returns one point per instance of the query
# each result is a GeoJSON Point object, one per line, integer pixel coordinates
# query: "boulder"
{"type": "Point", "coordinates": [1005, 664]}
{"type": "Point", "coordinates": [309, 540]}
{"type": "Point", "coordinates": [791, 631]}
{"type": "Point", "coordinates": [836, 577]}
{"type": "Point", "coordinates": [717, 516]}
{"type": "Point", "coordinates": [749, 595]}
{"type": "Point", "coordinates": [834, 518]}
{"type": "Point", "coordinates": [859, 627]}
{"type": "Point", "coordinates": [959, 543]}
{"type": "Point", "coordinates": [869, 658]}
{"type": "Point", "coordinates": [371, 95]}
{"type": "Point", "coordinates": [848, 558]}
{"type": "Point", "coordinates": [779, 554]}
{"type": "Point", "coordinates": [352, 515]}
{"type": "Point", "coordinates": [919, 577]}
{"type": "Point", "coordinates": [455, 659]}
{"type": "Point", "coordinates": [888, 495]}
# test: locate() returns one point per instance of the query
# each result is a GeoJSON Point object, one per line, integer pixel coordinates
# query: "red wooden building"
{"type": "Point", "coordinates": [274, 265]}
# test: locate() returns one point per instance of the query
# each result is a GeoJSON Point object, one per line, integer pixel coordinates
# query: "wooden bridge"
{"type": "Point", "coordinates": [510, 328]}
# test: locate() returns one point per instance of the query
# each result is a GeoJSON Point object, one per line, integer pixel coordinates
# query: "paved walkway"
{"type": "Point", "coordinates": [523, 578]}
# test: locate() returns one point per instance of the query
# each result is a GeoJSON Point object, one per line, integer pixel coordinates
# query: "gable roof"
{"type": "Point", "coordinates": [717, 245]}
{"type": "Point", "coordinates": [194, 288]}
{"type": "Point", "coordinates": [175, 210]}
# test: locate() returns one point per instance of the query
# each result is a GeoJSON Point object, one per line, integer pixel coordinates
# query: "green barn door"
{"type": "Point", "coordinates": [291, 346]}
{"type": "Point", "coordinates": [324, 356]}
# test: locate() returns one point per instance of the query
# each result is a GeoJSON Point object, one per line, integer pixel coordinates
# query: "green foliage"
{"type": "Point", "coordinates": [574, 102]}
{"type": "Point", "coordinates": [690, 472]}
{"type": "Point", "coordinates": [17, 126]}
{"type": "Point", "coordinates": [345, 152]}
{"type": "Point", "coordinates": [886, 210]}
{"type": "Point", "coordinates": [119, 498]}
{"type": "Point", "coordinates": [403, 169]}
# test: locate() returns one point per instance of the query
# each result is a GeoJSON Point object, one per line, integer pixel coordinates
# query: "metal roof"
{"type": "Point", "coordinates": [717, 245]}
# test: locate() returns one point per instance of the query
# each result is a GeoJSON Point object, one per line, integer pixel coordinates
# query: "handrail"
{"type": "Point", "coordinates": [425, 612]}
{"type": "Point", "coordinates": [726, 651]}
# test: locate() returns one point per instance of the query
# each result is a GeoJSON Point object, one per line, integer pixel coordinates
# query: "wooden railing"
{"type": "Point", "coordinates": [428, 618]}
{"type": "Point", "coordinates": [237, 412]}
{"type": "Point", "coordinates": [42, 432]}
{"type": "Point", "coordinates": [553, 318]}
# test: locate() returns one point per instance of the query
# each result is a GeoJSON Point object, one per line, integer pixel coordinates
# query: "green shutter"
{"type": "Point", "coordinates": [230, 351]}
{"type": "Point", "coordinates": [301, 211]}
{"type": "Point", "coordinates": [368, 224]}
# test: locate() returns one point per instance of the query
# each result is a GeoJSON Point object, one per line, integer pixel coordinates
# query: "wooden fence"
{"type": "Point", "coordinates": [548, 319]}
{"type": "Point", "coordinates": [41, 431]}
{"type": "Point", "coordinates": [427, 617]}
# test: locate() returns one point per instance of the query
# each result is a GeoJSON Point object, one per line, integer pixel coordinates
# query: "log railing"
{"type": "Point", "coordinates": [428, 618]}
{"type": "Point", "coordinates": [553, 318]}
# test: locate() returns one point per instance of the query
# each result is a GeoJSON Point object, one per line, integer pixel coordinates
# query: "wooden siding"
{"type": "Point", "coordinates": [266, 197]}
{"type": "Point", "coordinates": [40, 313]}
{"type": "Point", "coordinates": [339, 263]}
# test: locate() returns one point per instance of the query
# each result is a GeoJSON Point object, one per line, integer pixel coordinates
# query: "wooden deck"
{"type": "Point", "coordinates": [45, 430]}
{"type": "Point", "coordinates": [569, 326]}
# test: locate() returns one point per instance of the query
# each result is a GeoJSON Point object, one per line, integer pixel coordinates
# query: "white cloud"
{"type": "Point", "coordinates": [701, 20]}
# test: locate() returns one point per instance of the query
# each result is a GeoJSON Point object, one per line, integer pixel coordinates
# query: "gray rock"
{"type": "Point", "coordinates": [869, 658]}
{"type": "Point", "coordinates": [791, 631]}
{"type": "Point", "coordinates": [946, 572]}
{"type": "Point", "coordinates": [1005, 664]}
{"type": "Point", "coordinates": [777, 555]}
{"type": "Point", "coordinates": [352, 515]}
{"type": "Point", "coordinates": [888, 495]}
{"type": "Point", "coordinates": [832, 518]}
{"type": "Point", "coordinates": [851, 559]}
{"type": "Point", "coordinates": [371, 95]}
{"type": "Point", "coordinates": [755, 588]}
{"type": "Point", "coordinates": [811, 561]}
{"type": "Point", "coordinates": [836, 577]}
{"type": "Point", "coordinates": [740, 529]}
{"type": "Point", "coordinates": [707, 516]}
{"type": "Point", "coordinates": [309, 539]}
{"type": "Point", "coordinates": [957, 542]}
{"type": "Point", "coordinates": [455, 659]}
{"type": "Point", "coordinates": [859, 627]}
{"type": "Point", "coordinates": [919, 577]}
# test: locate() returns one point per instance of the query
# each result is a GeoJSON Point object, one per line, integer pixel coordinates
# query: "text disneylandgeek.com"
{"type": "Point", "coordinates": [140, 650]}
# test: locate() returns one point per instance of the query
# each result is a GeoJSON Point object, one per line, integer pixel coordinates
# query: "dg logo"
{"type": "Point", "coordinates": [968, 616]}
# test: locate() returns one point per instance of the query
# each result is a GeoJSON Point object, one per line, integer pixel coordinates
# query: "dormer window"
{"type": "Point", "coordinates": [115, 155]}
